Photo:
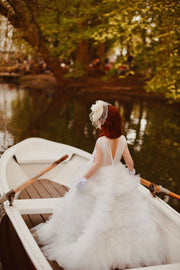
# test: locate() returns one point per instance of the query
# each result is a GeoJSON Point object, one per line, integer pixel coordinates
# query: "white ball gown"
{"type": "Point", "coordinates": [105, 225]}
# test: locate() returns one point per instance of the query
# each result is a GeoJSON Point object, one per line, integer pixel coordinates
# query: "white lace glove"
{"type": "Point", "coordinates": [133, 172]}
{"type": "Point", "coordinates": [81, 183]}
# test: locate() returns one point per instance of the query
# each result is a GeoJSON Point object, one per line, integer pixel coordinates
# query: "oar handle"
{"type": "Point", "coordinates": [159, 188]}
{"type": "Point", "coordinates": [60, 160]}
{"type": "Point", "coordinates": [174, 195]}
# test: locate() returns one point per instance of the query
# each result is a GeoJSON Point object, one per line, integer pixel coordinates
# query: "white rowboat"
{"type": "Point", "coordinates": [26, 159]}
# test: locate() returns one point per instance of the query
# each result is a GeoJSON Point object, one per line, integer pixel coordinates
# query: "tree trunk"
{"type": "Point", "coordinates": [101, 53]}
{"type": "Point", "coordinates": [19, 17]}
{"type": "Point", "coordinates": [82, 55]}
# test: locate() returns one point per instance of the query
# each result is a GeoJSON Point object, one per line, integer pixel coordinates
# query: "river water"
{"type": "Point", "coordinates": [152, 128]}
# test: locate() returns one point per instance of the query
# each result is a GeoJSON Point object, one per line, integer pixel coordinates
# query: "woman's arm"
{"type": "Point", "coordinates": [128, 159]}
{"type": "Point", "coordinates": [96, 163]}
{"type": "Point", "coordinates": [94, 167]}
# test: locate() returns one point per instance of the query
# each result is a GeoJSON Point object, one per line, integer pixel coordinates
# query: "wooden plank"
{"type": "Point", "coordinates": [24, 195]}
{"type": "Point", "coordinates": [33, 220]}
{"type": "Point", "coordinates": [36, 219]}
{"type": "Point", "coordinates": [33, 192]}
{"type": "Point", "coordinates": [28, 221]}
{"type": "Point", "coordinates": [50, 188]}
{"type": "Point", "coordinates": [43, 189]}
{"type": "Point", "coordinates": [43, 193]}
{"type": "Point", "coordinates": [65, 187]}
{"type": "Point", "coordinates": [60, 188]}
{"type": "Point", "coordinates": [55, 265]}
{"type": "Point", "coordinates": [46, 216]}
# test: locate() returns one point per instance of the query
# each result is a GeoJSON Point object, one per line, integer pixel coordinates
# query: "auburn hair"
{"type": "Point", "coordinates": [112, 128]}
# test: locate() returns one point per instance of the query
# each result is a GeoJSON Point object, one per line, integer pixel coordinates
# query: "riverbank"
{"type": "Point", "coordinates": [132, 85]}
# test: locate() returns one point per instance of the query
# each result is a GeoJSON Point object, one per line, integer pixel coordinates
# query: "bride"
{"type": "Point", "coordinates": [104, 222]}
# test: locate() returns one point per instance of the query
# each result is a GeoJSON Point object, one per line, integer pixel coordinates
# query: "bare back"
{"type": "Point", "coordinates": [112, 149]}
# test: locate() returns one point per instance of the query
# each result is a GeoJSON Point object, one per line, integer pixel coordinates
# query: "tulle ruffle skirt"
{"type": "Point", "coordinates": [106, 225]}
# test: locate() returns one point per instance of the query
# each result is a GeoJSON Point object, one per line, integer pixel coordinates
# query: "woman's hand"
{"type": "Point", "coordinates": [133, 172]}
{"type": "Point", "coordinates": [81, 183]}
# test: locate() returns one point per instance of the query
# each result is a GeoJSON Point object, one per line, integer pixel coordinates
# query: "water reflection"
{"type": "Point", "coordinates": [7, 94]}
{"type": "Point", "coordinates": [152, 130]}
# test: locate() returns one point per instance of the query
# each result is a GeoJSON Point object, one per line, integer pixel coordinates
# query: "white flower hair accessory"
{"type": "Point", "coordinates": [99, 113]}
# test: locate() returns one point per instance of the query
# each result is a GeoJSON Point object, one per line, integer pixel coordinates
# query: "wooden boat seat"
{"type": "Point", "coordinates": [40, 157]}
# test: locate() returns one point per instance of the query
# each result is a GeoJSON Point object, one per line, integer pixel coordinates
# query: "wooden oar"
{"type": "Point", "coordinates": [10, 194]}
{"type": "Point", "coordinates": [157, 188]}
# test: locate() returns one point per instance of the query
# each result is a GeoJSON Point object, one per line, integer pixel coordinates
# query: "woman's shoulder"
{"type": "Point", "coordinates": [100, 139]}
{"type": "Point", "coordinates": [122, 138]}
{"type": "Point", "coordinates": [104, 138]}
{"type": "Point", "coordinates": [122, 141]}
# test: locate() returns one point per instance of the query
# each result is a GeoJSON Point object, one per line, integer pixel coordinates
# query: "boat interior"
{"type": "Point", "coordinates": [54, 184]}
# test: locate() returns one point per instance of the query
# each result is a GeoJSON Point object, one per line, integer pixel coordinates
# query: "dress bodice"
{"type": "Point", "coordinates": [105, 144]}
